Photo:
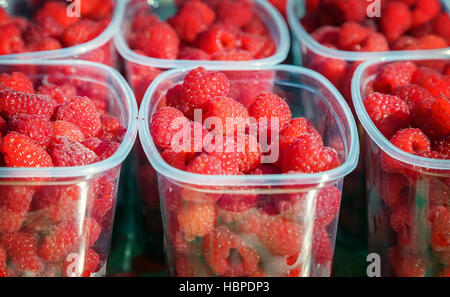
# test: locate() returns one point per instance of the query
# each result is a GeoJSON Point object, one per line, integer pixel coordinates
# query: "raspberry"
{"type": "Point", "coordinates": [16, 81]}
{"type": "Point", "coordinates": [82, 112]}
{"type": "Point", "coordinates": [158, 40]}
{"type": "Point", "coordinates": [256, 26]}
{"type": "Point", "coordinates": [328, 202]}
{"type": "Point", "coordinates": [59, 203]}
{"type": "Point", "coordinates": [44, 27]}
{"type": "Point", "coordinates": [396, 20]}
{"type": "Point", "coordinates": [67, 129]}
{"type": "Point", "coordinates": [192, 53]}
{"type": "Point", "coordinates": [237, 203]}
{"type": "Point", "coordinates": [412, 95]}
{"type": "Point", "coordinates": [321, 246]}
{"type": "Point", "coordinates": [428, 42]}
{"type": "Point", "coordinates": [82, 31]}
{"type": "Point", "coordinates": [38, 128]}
{"type": "Point", "coordinates": [440, 228]}
{"type": "Point", "coordinates": [112, 125]}
{"type": "Point", "coordinates": [232, 55]}
{"type": "Point", "coordinates": [91, 231]}
{"type": "Point", "coordinates": [296, 128]}
{"type": "Point", "coordinates": [58, 11]}
{"type": "Point", "coordinates": [405, 264]}
{"type": "Point", "coordinates": [102, 148]}
{"type": "Point", "coordinates": [224, 149]}
{"type": "Point", "coordinates": [166, 123]}
{"type": "Point", "coordinates": [206, 165]}
{"type": "Point", "coordinates": [271, 112]}
{"type": "Point", "coordinates": [10, 220]}
{"type": "Point", "coordinates": [442, 146]}
{"type": "Point", "coordinates": [104, 192]}
{"type": "Point", "coordinates": [143, 20]}
{"type": "Point", "coordinates": [331, 35]}
{"type": "Point", "coordinates": [22, 249]}
{"type": "Point", "coordinates": [45, 44]}
{"type": "Point", "coordinates": [375, 42]}
{"type": "Point", "coordinates": [197, 219]}
{"type": "Point", "coordinates": [59, 242]}
{"type": "Point", "coordinates": [66, 152]}
{"type": "Point", "coordinates": [393, 188]}
{"type": "Point", "coordinates": [217, 248]}
{"type": "Point", "coordinates": [193, 18]}
{"type": "Point", "coordinates": [281, 236]}
{"type": "Point", "coordinates": [12, 42]}
{"type": "Point", "coordinates": [234, 13]}
{"type": "Point", "coordinates": [58, 94]}
{"type": "Point", "coordinates": [425, 11]}
{"type": "Point", "coordinates": [389, 113]}
{"type": "Point", "coordinates": [16, 198]}
{"type": "Point", "coordinates": [250, 153]}
{"type": "Point", "coordinates": [441, 26]}
{"type": "Point", "coordinates": [346, 10]}
{"type": "Point", "coordinates": [256, 45]}
{"type": "Point", "coordinates": [13, 103]}
{"type": "Point", "coordinates": [394, 75]}
{"type": "Point", "coordinates": [333, 69]}
{"type": "Point", "coordinates": [228, 116]}
{"type": "Point", "coordinates": [20, 151]}
{"type": "Point", "coordinates": [178, 160]}
{"type": "Point", "coordinates": [201, 85]}
{"type": "Point", "coordinates": [96, 8]}
{"type": "Point", "coordinates": [441, 115]}
{"type": "Point", "coordinates": [352, 34]}
{"type": "Point", "coordinates": [216, 39]}
{"type": "Point", "coordinates": [175, 98]}
{"type": "Point", "coordinates": [307, 156]}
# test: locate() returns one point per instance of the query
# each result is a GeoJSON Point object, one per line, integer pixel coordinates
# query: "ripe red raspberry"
{"type": "Point", "coordinates": [394, 75]}
{"type": "Point", "coordinates": [45, 44]}
{"type": "Point", "coordinates": [346, 10]}
{"type": "Point", "coordinates": [413, 95]}
{"type": "Point", "coordinates": [321, 246]}
{"type": "Point", "coordinates": [102, 148]}
{"type": "Point", "coordinates": [234, 13]}
{"type": "Point", "coordinates": [66, 152]}
{"type": "Point", "coordinates": [281, 236]}
{"type": "Point", "coordinates": [142, 20]}
{"type": "Point", "coordinates": [193, 18]}
{"type": "Point", "coordinates": [307, 156]}
{"type": "Point", "coordinates": [103, 194]}
{"type": "Point", "coordinates": [82, 112]}
{"type": "Point", "coordinates": [158, 40]}
{"type": "Point", "coordinates": [166, 123]}
{"type": "Point", "coordinates": [389, 113]}
{"type": "Point", "coordinates": [91, 231]}
{"type": "Point", "coordinates": [59, 203]}
{"type": "Point", "coordinates": [16, 198]}
{"type": "Point", "coordinates": [441, 26]}
{"type": "Point", "coordinates": [175, 98]}
{"type": "Point", "coordinates": [440, 113]}
{"type": "Point", "coordinates": [10, 220]}
{"type": "Point", "coordinates": [224, 149]}
{"type": "Point", "coordinates": [333, 69]}
{"type": "Point", "coordinates": [11, 42]}
{"type": "Point", "coordinates": [232, 55]}
{"type": "Point", "coordinates": [20, 151]}
{"type": "Point", "coordinates": [271, 112]}
{"type": "Point", "coordinates": [227, 115]}
{"type": "Point", "coordinates": [442, 146]}
{"type": "Point", "coordinates": [352, 34]}
{"type": "Point", "coordinates": [216, 39]}
{"type": "Point", "coordinates": [296, 128]}
{"type": "Point", "coordinates": [427, 42]}
{"type": "Point", "coordinates": [205, 164]}
{"type": "Point", "coordinates": [245, 86]}
{"type": "Point", "coordinates": [197, 219]}
{"type": "Point", "coordinates": [67, 129]}
{"type": "Point", "coordinates": [44, 27]}
{"type": "Point", "coordinates": [16, 81]}
{"type": "Point", "coordinates": [112, 125]}
{"type": "Point", "coordinates": [178, 160]}
{"type": "Point", "coordinates": [96, 8]}
{"type": "Point", "coordinates": [57, 94]}
{"type": "Point", "coordinates": [201, 85]}
{"type": "Point", "coordinates": [330, 35]}
{"type": "Point", "coordinates": [57, 244]}
{"type": "Point", "coordinates": [425, 11]}
{"type": "Point", "coordinates": [82, 31]}
{"type": "Point", "coordinates": [217, 247]}
{"type": "Point", "coordinates": [237, 203]}
{"type": "Point", "coordinates": [256, 26]}
{"type": "Point", "coordinates": [257, 45]}
{"type": "Point", "coordinates": [396, 20]}
{"type": "Point", "coordinates": [249, 150]}
{"type": "Point", "coordinates": [432, 80]}
{"type": "Point", "coordinates": [38, 128]}
{"type": "Point", "coordinates": [192, 53]}
{"type": "Point", "coordinates": [394, 189]}
{"type": "Point", "coordinates": [22, 250]}
{"type": "Point", "coordinates": [13, 103]}
{"type": "Point", "coordinates": [58, 11]}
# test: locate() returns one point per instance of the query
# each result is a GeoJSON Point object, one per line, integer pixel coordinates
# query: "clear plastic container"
{"type": "Point", "coordinates": [403, 207]}
{"type": "Point", "coordinates": [309, 53]}
{"type": "Point", "coordinates": [75, 204]}
{"type": "Point", "coordinates": [307, 93]}
{"type": "Point", "coordinates": [100, 49]}
{"type": "Point", "coordinates": [141, 70]}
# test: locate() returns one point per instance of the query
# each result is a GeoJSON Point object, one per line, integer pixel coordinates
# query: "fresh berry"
{"type": "Point", "coordinates": [59, 242]}
{"type": "Point", "coordinates": [216, 39]}
{"type": "Point", "coordinates": [227, 115]}
{"type": "Point", "coordinates": [158, 40]}
{"type": "Point", "coordinates": [12, 42]}
{"type": "Point", "coordinates": [197, 219]}
{"type": "Point", "coordinates": [396, 20]}
{"type": "Point", "coordinates": [102, 148]}
{"type": "Point", "coordinates": [394, 75]}
{"type": "Point", "coordinates": [38, 128]}
{"type": "Point", "coordinates": [67, 129]}
{"type": "Point", "coordinates": [58, 94]}
{"type": "Point", "coordinates": [281, 236]}
{"type": "Point", "coordinates": [14, 103]}
{"type": "Point", "coordinates": [352, 34]}
{"type": "Point", "coordinates": [81, 32]}
{"type": "Point", "coordinates": [192, 53]}
{"type": "Point", "coordinates": [234, 13]}
{"type": "Point", "coordinates": [321, 246]}
{"type": "Point", "coordinates": [166, 123]}
{"type": "Point", "coordinates": [16, 81]}
{"type": "Point", "coordinates": [66, 152]}
{"type": "Point", "coordinates": [58, 11]}
{"type": "Point", "coordinates": [440, 113]}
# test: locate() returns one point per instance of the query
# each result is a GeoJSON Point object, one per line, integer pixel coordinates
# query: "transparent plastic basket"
{"type": "Point", "coordinates": [307, 93]}
{"type": "Point", "coordinates": [70, 197]}
{"type": "Point", "coordinates": [422, 187]}
{"type": "Point", "coordinates": [100, 49]}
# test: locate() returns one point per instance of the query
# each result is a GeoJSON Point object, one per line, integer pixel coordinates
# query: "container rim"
{"type": "Point", "coordinates": [279, 56]}
{"type": "Point", "coordinates": [117, 158]}
{"type": "Point", "coordinates": [321, 178]}
{"type": "Point", "coordinates": [373, 131]}
{"type": "Point", "coordinates": [311, 43]}
{"type": "Point", "coordinates": [79, 49]}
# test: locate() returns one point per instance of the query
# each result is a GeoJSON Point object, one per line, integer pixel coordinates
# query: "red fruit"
{"type": "Point", "coordinates": [232, 55]}
{"type": "Point", "coordinates": [407, 264]}
{"type": "Point", "coordinates": [82, 267]}
{"type": "Point", "coordinates": [394, 75]}
{"type": "Point", "coordinates": [20, 151]}
{"type": "Point", "coordinates": [396, 20]}
{"type": "Point", "coordinates": [66, 152]}
{"type": "Point", "coordinates": [103, 195]}
{"type": "Point", "coordinates": [375, 42]}
{"type": "Point", "coordinates": [346, 10]}
{"type": "Point", "coordinates": [432, 80]}
{"type": "Point", "coordinates": [389, 113]}
{"type": "Point", "coordinates": [192, 53]}
{"type": "Point", "coordinates": [428, 42]}
{"type": "Point", "coordinates": [67, 129]}
{"type": "Point", "coordinates": [442, 146]}
{"type": "Point", "coordinates": [193, 18]}
{"type": "Point", "coordinates": [175, 98]}
{"type": "Point", "coordinates": [245, 86]}
{"type": "Point", "coordinates": [166, 123]}
{"type": "Point", "coordinates": [394, 190]}
{"type": "Point", "coordinates": [256, 26]}
{"type": "Point", "coordinates": [82, 112]}
{"type": "Point", "coordinates": [58, 11]}
{"type": "Point", "coordinates": [11, 42]}
{"type": "Point", "coordinates": [91, 231]}
{"type": "Point", "coordinates": [102, 148]}
{"type": "Point", "coordinates": [112, 125]}
{"type": "Point", "coordinates": [321, 246]}
{"type": "Point", "coordinates": [441, 26]}
{"type": "Point", "coordinates": [329, 34]}
{"type": "Point", "coordinates": [216, 39]}
{"type": "Point", "coordinates": [57, 244]}
{"type": "Point", "coordinates": [440, 228]}
{"type": "Point", "coordinates": [257, 45]}
{"type": "Point", "coordinates": [250, 153]}
{"type": "Point", "coordinates": [281, 236]}
{"type": "Point", "coordinates": [217, 247]}
{"type": "Point", "coordinates": [16, 81]}
{"type": "Point", "coordinates": [45, 44]}
{"type": "Point", "coordinates": [237, 203]}
{"type": "Point", "coordinates": [234, 13]}
{"type": "Point", "coordinates": [224, 149]}
{"type": "Point", "coordinates": [205, 164]}
{"type": "Point", "coordinates": [22, 250]}
{"type": "Point", "coordinates": [271, 112]}
{"type": "Point", "coordinates": [96, 8]}
{"type": "Point", "coordinates": [82, 31]}
{"type": "Point", "coordinates": [201, 85]}
{"type": "Point", "coordinates": [10, 220]}
{"type": "Point", "coordinates": [158, 40]}
{"type": "Point", "coordinates": [197, 219]}
{"type": "Point", "coordinates": [143, 20]}
{"type": "Point", "coordinates": [440, 113]}
{"type": "Point", "coordinates": [413, 95]}
{"type": "Point", "coordinates": [16, 198]}
{"type": "Point", "coordinates": [307, 156]}
{"type": "Point", "coordinates": [425, 11]}
{"type": "Point", "coordinates": [13, 103]}
{"type": "Point", "coordinates": [227, 116]}
{"type": "Point", "coordinates": [57, 94]}
{"type": "Point", "coordinates": [333, 69]}
{"type": "Point", "coordinates": [352, 34]}
{"type": "Point", "coordinates": [38, 128]}
{"type": "Point", "coordinates": [178, 160]}
{"type": "Point", "coordinates": [59, 203]}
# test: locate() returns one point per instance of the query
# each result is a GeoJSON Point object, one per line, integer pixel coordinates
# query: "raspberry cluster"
{"type": "Point", "coordinates": [245, 231]}
{"type": "Point", "coordinates": [50, 227]}
{"type": "Point", "coordinates": [410, 105]}
{"type": "Point", "coordinates": [52, 27]}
